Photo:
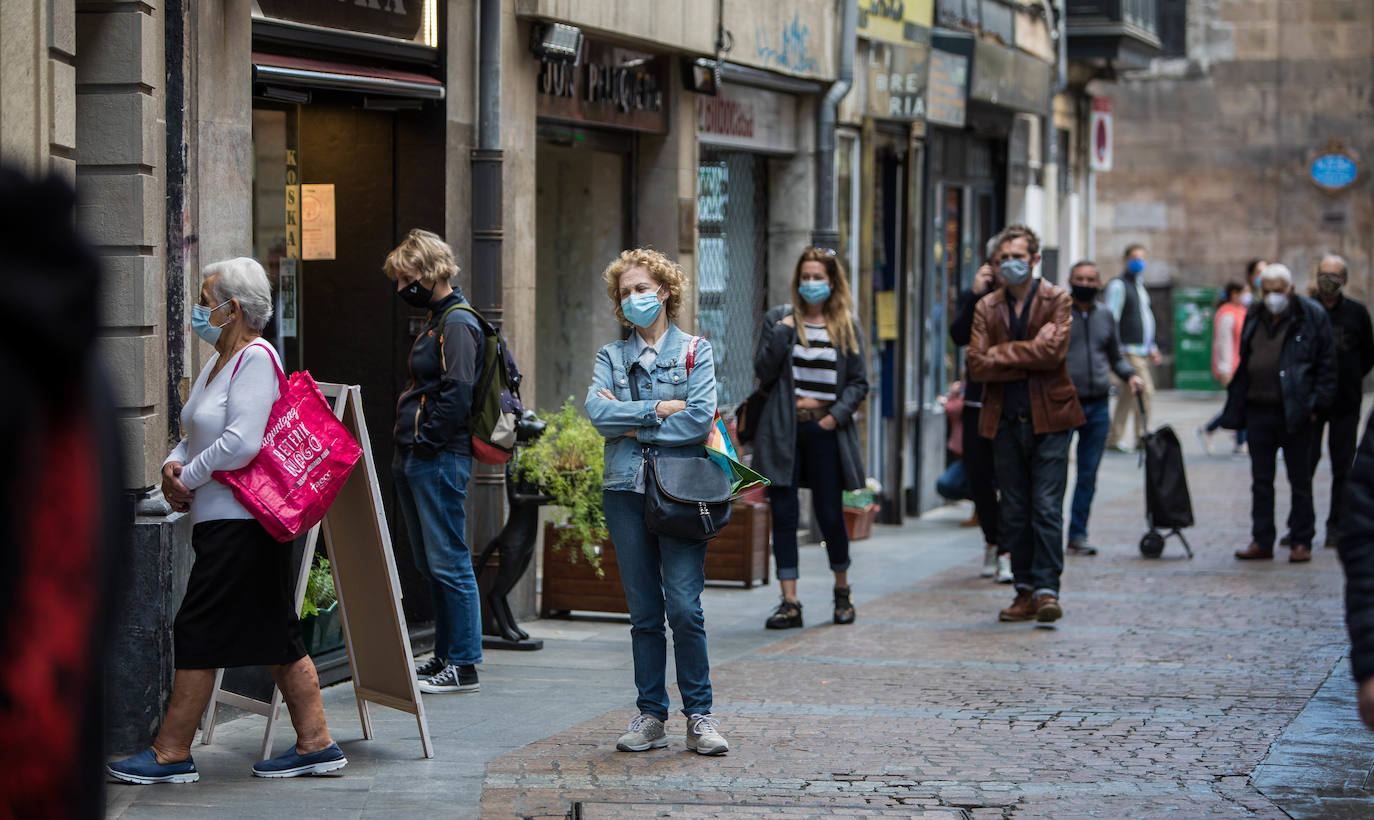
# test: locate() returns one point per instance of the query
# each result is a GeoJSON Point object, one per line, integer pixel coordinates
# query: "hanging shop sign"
{"type": "Point", "coordinates": [1009, 78]}
{"type": "Point", "coordinates": [400, 19]}
{"type": "Point", "coordinates": [1334, 168]}
{"type": "Point", "coordinates": [896, 77]}
{"type": "Point", "coordinates": [1100, 135]}
{"type": "Point", "coordinates": [748, 118]}
{"type": "Point", "coordinates": [947, 94]}
{"type": "Point", "coordinates": [896, 21]}
{"type": "Point", "coordinates": [611, 86]}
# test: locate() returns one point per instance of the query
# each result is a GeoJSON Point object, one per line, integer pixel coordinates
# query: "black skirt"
{"type": "Point", "coordinates": [239, 609]}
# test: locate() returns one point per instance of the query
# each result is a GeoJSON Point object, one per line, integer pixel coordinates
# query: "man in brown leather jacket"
{"type": "Point", "coordinates": [1017, 349]}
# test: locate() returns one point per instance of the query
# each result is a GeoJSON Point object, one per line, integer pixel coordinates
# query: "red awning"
{"type": "Point", "coordinates": [302, 71]}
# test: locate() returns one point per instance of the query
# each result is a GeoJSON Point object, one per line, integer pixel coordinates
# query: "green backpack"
{"type": "Point", "coordinates": [496, 403]}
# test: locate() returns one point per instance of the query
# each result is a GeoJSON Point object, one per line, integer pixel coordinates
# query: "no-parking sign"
{"type": "Point", "coordinates": [1100, 135]}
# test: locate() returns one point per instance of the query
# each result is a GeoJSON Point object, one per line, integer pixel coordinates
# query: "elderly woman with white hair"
{"type": "Point", "coordinates": [239, 609]}
{"type": "Point", "coordinates": [1285, 378]}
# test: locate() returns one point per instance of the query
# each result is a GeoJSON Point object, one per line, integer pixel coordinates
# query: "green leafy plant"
{"type": "Point", "coordinates": [566, 463]}
{"type": "Point", "coordinates": [319, 588]}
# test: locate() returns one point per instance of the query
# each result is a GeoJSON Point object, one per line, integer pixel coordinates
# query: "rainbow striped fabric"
{"type": "Point", "coordinates": [721, 450]}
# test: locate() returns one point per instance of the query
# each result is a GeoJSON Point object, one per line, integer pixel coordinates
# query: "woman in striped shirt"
{"type": "Point", "coordinates": [815, 380]}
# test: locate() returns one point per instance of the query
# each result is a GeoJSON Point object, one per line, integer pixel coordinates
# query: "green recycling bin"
{"type": "Point", "coordinates": [1193, 309]}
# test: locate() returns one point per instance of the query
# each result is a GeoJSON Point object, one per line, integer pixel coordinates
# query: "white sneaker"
{"type": "Point", "coordinates": [1004, 575]}
{"type": "Point", "coordinates": [646, 732]}
{"type": "Point", "coordinates": [1204, 438]}
{"type": "Point", "coordinates": [989, 561]}
{"type": "Point", "coordinates": [703, 737]}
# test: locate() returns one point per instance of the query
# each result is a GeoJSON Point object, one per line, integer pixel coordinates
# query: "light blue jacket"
{"type": "Point", "coordinates": [680, 434]}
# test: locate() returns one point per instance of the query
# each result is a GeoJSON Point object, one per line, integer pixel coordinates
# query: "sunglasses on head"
{"type": "Point", "coordinates": [821, 251]}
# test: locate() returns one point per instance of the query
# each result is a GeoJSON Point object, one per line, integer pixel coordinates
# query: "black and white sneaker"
{"type": "Point", "coordinates": [451, 679]}
{"type": "Point", "coordinates": [429, 668]}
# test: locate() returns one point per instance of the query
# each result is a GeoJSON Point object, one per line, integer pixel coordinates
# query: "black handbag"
{"type": "Point", "coordinates": [748, 415]}
{"type": "Point", "coordinates": [686, 497]}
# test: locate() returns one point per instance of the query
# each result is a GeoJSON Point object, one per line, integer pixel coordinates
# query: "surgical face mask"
{"type": "Point", "coordinates": [200, 322]}
{"type": "Point", "coordinates": [1084, 293]}
{"type": "Point", "coordinates": [1276, 302]}
{"type": "Point", "coordinates": [814, 292]}
{"type": "Point", "coordinates": [416, 294]}
{"type": "Point", "coordinates": [1246, 297]}
{"type": "Point", "coordinates": [1328, 286]}
{"type": "Point", "coordinates": [1136, 266]}
{"type": "Point", "coordinates": [641, 309]}
{"type": "Point", "coordinates": [1015, 271]}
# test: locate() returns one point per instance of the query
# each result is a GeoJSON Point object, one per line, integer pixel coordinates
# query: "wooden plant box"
{"type": "Point", "coordinates": [569, 586]}
{"type": "Point", "coordinates": [740, 553]}
{"type": "Point", "coordinates": [859, 523]}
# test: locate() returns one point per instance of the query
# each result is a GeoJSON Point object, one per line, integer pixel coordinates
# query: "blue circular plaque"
{"type": "Point", "coordinates": [1334, 172]}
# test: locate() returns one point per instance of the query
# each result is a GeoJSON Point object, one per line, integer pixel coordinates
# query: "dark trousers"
{"type": "Point", "coordinates": [816, 465]}
{"type": "Point", "coordinates": [1340, 446]}
{"type": "Point", "coordinates": [1268, 434]}
{"type": "Point", "coordinates": [981, 475]}
{"type": "Point", "coordinates": [1092, 440]}
{"type": "Point", "coordinates": [1032, 471]}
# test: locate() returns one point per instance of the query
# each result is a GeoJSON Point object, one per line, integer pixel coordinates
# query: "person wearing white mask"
{"type": "Point", "coordinates": [1286, 376]}
{"type": "Point", "coordinates": [656, 389]}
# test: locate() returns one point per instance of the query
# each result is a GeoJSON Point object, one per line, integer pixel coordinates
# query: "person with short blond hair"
{"type": "Point", "coordinates": [433, 461]}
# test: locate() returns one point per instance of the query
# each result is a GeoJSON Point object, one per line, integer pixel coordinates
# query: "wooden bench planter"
{"type": "Point", "coordinates": [740, 553]}
{"type": "Point", "coordinates": [569, 586]}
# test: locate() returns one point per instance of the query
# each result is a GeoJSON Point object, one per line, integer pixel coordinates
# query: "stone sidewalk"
{"type": "Point", "coordinates": [1171, 687]}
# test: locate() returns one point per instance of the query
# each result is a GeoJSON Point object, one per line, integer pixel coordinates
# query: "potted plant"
{"type": "Point", "coordinates": [861, 510]}
{"type": "Point", "coordinates": [321, 628]}
{"type": "Point", "coordinates": [565, 464]}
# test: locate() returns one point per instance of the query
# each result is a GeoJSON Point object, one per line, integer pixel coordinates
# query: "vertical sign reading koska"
{"type": "Point", "coordinates": [293, 205]}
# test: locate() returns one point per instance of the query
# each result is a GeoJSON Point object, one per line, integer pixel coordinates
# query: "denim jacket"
{"type": "Point", "coordinates": [680, 434]}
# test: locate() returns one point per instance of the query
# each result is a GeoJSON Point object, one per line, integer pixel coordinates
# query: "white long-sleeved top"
{"type": "Point", "coordinates": [224, 421]}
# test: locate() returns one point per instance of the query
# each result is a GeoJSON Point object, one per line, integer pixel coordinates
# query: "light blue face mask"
{"type": "Point", "coordinates": [1014, 271]}
{"type": "Point", "coordinates": [814, 292]}
{"type": "Point", "coordinates": [200, 322]}
{"type": "Point", "coordinates": [641, 309]}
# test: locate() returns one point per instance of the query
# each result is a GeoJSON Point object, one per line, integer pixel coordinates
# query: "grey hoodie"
{"type": "Point", "coordinates": [1094, 351]}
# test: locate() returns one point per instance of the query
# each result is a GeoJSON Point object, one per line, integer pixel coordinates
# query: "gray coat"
{"type": "Point", "coordinates": [775, 445]}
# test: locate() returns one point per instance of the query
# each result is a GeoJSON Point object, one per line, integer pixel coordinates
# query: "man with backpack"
{"type": "Point", "coordinates": [434, 452]}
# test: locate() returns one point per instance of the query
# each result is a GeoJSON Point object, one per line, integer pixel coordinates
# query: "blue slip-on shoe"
{"type": "Point", "coordinates": [294, 764]}
{"type": "Point", "coordinates": [143, 768]}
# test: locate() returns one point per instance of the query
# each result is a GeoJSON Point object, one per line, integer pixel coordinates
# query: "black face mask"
{"type": "Point", "coordinates": [1084, 293]}
{"type": "Point", "coordinates": [417, 295]}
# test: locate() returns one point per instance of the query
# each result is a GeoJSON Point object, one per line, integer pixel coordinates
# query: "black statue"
{"type": "Point", "coordinates": [515, 546]}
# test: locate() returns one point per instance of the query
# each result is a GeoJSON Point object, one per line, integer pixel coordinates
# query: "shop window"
{"type": "Point", "coordinates": [1173, 27]}
{"type": "Point", "coordinates": [999, 20]}
{"type": "Point", "coordinates": [732, 258]}
{"type": "Point", "coordinates": [959, 13]}
{"type": "Point", "coordinates": [847, 202]}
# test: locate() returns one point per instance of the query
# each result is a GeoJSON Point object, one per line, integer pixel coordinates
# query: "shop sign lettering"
{"type": "Point", "coordinates": [724, 117]}
{"type": "Point", "coordinates": [750, 119]}
{"type": "Point", "coordinates": [897, 81]}
{"type": "Point", "coordinates": [612, 86]}
{"type": "Point", "coordinates": [902, 22]}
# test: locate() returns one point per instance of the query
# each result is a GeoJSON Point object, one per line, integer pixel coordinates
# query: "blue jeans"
{"type": "Point", "coordinates": [1092, 440]}
{"type": "Point", "coordinates": [432, 494]}
{"type": "Point", "coordinates": [816, 465]}
{"type": "Point", "coordinates": [662, 577]}
{"type": "Point", "coordinates": [1032, 470]}
{"type": "Point", "coordinates": [952, 485]}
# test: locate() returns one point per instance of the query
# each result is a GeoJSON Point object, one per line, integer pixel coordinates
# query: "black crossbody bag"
{"type": "Point", "coordinates": [686, 497]}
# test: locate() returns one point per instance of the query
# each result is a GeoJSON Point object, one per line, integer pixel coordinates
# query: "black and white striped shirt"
{"type": "Point", "coordinates": [813, 367]}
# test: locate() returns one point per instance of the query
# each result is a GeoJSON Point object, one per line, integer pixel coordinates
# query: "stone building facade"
{"type": "Point", "coordinates": [1213, 149]}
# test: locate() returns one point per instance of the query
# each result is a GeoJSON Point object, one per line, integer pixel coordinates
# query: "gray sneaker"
{"type": "Point", "coordinates": [646, 732]}
{"type": "Point", "coordinates": [702, 736]}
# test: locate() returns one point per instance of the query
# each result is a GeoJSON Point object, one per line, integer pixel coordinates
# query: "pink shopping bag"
{"type": "Point", "coordinates": [305, 458]}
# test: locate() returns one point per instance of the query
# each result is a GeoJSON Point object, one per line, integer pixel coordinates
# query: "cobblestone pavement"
{"type": "Point", "coordinates": [1159, 693]}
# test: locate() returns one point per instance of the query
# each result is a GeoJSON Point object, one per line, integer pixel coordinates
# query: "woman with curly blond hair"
{"type": "Point", "coordinates": [811, 360]}
{"type": "Point", "coordinates": [656, 390]}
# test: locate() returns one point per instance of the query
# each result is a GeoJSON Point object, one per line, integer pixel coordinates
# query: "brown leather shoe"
{"type": "Point", "coordinates": [1022, 609]}
{"type": "Point", "coordinates": [1047, 609]}
{"type": "Point", "coordinates": [1300, 554]}
{"type": "Point", "coordinates": [1254, 553]}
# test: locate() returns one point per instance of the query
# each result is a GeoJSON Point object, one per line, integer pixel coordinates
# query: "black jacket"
{"type": "Point", "coordinates": [432, 413]}
{"type": "Point", "coordinates": [960, 331]}
{"type": "Point", "coordinates": [1354, 343]}
{"type": "Point", "coordinates": [1095, 350]}
{"type": "Point", "coordinates": [1307, 365]}
{"type": "Point", "coordinates": [1356, 548]}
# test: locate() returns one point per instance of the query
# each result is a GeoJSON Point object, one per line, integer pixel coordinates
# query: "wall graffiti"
{"type": "Point", "coordinates": [792, 50]}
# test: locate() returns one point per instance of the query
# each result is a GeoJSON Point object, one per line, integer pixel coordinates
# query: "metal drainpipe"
{"type": "Point", "coordinates": [1049, 134]}
{"type": "Point", "coordinates": [486, 509]}
{"type": "Point", "coordinates": [825, 234]}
